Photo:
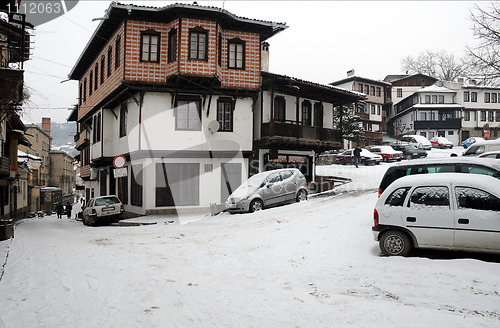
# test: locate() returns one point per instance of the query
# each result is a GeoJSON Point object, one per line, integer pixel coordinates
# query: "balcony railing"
{"type": "Point", "coordinates": [294, 130]}
{"type": "Point", "coordinates": [451, 123]}
{"type": "Point", "coordinates": [85, 171]}
{"type": "Point", "coordinates": [81, 139]}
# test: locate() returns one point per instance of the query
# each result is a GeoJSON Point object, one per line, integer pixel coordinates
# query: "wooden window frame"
{"type": "Point", "coordinates": [150, 34]}
{"type": "Point", "coordinates": [172, 46]}
{"type": "Point", "coordinates": [236, 42]}
{"type": "Point", "coordinates": [123, 120]}
{"type": "Point", "coordinates": [117, 52]}
{"type": "Point", "coordinates": [110, 60]}
{"type": "Point", "coordinates": [197, 31]}
{"type": "Point", "coordinates": [103, 60]}
{"type": "Point", "coordinates": [178, 108]}
{"type": "Point", "coordinates": [225, 114]}
{"type": "Point", "coordinates": [278, 101]}
{"type": "Point", "coordinates": [306, 113]}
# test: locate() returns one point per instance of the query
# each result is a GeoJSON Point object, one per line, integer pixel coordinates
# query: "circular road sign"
{"type": "Point", "coordinates": [119, 162]}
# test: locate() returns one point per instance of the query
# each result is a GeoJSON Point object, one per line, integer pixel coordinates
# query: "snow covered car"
{"type": "Point", "coordinates": [469, 141]}
{"type": "Point", "coordinates": [481, 147]}
{"type": "Point", "coordinates": [441, 142]}
{"type": "Point", "coordinates": [418, 141]}
{"type": "Point", "coordinates": [410, 151]}
{"type": "Point", "coordinates": [367, 157]}
{"type": "Point", "coordinates": [452, 211]}
{"type": "Point", "coordinates": [387, 152]}
{"type": "Point", "coordinates": [268, 189]}
{"type": "Point", "coordinates": [103, 209]}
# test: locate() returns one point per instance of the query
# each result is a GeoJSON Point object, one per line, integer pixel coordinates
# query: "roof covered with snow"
{"type": "Point", "coordinates": [435, 89]}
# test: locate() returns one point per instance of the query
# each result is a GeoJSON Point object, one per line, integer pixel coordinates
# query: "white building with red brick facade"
{"type": "Point", "coordinates": [172, 89]}
{"type": "Point", "coordinates": [178, 91]}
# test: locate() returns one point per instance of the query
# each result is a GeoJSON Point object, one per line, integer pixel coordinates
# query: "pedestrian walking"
{"type": "Point", "coordinates": [357, 155]}
{"type": "Point", "coordinates": [68, 209]}
{"type": "Point", "coordinates": [59, 210]}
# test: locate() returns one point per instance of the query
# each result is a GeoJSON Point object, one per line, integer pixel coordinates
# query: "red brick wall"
{"type": "Point", "coordinates": [132, 69]}
{"type": "Point", "coordinates": [135, 70]}
{"type": "Point", "coordinates": [110, 83]}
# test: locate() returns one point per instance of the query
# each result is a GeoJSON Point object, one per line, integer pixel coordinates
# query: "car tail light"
{"type": "Point", "coordinates": [379, 193]}
{"type": "Point", "coordinates": [121, 208]}
{"type": "Point", "coordinates": [375, 217]}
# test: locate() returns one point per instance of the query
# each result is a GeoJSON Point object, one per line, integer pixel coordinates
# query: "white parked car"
{"type": "Point", "coordinates": [418, 141]}
{"type": "Point", "coordinates": [103, 209]}
{"type": "Point", "coordinates": [453, 211]}
{"type": "Point", "coordinates": [481, 147]}
{"type": "Point", "coordinates": [268, 189]}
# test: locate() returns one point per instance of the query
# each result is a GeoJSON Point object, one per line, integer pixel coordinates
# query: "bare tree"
{"type": "Point", "coordinates": [484, 58]}
{"type": "Point", "coordinates": [440, 64]}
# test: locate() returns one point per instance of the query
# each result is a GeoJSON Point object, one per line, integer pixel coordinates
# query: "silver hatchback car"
{"type": "Point", "coordinates": [268, 189]}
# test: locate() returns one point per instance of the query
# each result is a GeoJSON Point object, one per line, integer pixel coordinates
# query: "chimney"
{"type": "Point", "coordinates": [350, 72]}
{"type": "Point", "coordinates": [46, 125]}
{"type": "Point", "coordinates": [264, 56]}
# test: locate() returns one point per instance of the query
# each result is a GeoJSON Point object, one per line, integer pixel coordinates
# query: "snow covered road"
{"type": "Point", "coordinates": [310, 264]}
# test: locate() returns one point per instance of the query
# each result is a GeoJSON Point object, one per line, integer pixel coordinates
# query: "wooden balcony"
{"type": "Point", "coordinates": [287, 135]}
{"type": "Point", "coordinates": [4, 166]}
{"type": "Point", "coordinates": [81, 139]}
{"type": "Point", "coordinates": [452, 123]}
{"type": "Point", "coordinates": [85, 172]}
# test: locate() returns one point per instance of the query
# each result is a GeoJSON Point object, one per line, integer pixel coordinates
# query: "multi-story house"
{"type": "Point", "coordinates": [430, 111]}
{"type": "Point", "coordinates": [173, 90]}
{"type": "Point", "coordinates": [14, 50]}
{"type": "Point", "coordinates": [28, 188]}
{"type": "Point", "coordinates": [481, 116]}
{"type": "Point", "coordinates": [371, 110]}
{"type": "Point", "coordinates": [178, 91]}
{"type": "Point", "coordinates": [293, 122]}
{"type": "Point", "coordinates": [62, 174]}
{"type": "Point", "coordinates": [40, 144]}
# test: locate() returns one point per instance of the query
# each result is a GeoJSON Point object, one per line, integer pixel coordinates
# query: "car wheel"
{"type": "Point", "coordinates": [365, 163]}
{"type": "Point", "coordinates": [256, 205]}
{"type": "Point", "coordinates": [301, 195]}
{"type": "Point", "coordinates": [84, 220]}
{"type": "Point", "coordinates": [408, 157]}
{"type": "Point", "coordinates": [395, 243]}
{"type": "Point", "coordinates": [342, 162]}
{"type": "Point", "coordinates": [386, 159]}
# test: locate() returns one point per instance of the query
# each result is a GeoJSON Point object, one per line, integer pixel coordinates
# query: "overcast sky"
{"type": "Point", "coordinates": [324, 40]}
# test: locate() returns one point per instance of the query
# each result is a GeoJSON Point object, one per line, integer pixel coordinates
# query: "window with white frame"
{"type": "Point", "coordinates": [225, 114]}
{"type": "Point", "coordinates": [188, 114]}
{"type": "Point", "coordinates": [466, 96]}
{"type": "Point", "coordinates": [486, 97]}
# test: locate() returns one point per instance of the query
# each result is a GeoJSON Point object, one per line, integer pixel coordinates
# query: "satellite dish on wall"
{"type": "Point", "coordinates": [213, 126]}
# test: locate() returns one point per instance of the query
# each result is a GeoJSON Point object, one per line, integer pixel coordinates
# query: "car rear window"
{"type": "Point", "coordinates": [106, 201]}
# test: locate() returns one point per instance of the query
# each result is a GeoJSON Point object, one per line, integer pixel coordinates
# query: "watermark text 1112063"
{"type": "Point", "coordinates": [40, 12]}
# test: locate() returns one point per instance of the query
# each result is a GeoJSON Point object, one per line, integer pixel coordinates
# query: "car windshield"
{"type": "Point", "coordinates": [106, 201]}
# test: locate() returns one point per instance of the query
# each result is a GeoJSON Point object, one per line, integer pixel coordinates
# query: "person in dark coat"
{"type": "Point", "coordinates": [68, 209]}
{"type": "Point", "coordinates": [357, 155]}
{"type": "Point", "coordinates": [59, 210]}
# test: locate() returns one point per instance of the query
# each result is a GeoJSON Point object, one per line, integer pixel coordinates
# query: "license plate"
{"type": "Point", "coordinates": [233, 205]}
{"type": "Point", "coordinates": [108, 209]}
{"type": "Point", "coordinates": [415, 154]}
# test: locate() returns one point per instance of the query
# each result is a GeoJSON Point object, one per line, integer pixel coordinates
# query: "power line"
{"type": "Point", "coordinates": [51, 61]}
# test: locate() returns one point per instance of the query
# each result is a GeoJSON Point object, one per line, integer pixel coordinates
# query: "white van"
{"type": "Point", "coordinates": [480, 147]}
